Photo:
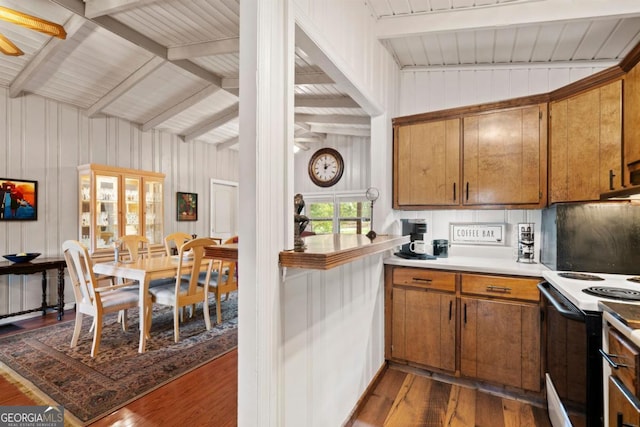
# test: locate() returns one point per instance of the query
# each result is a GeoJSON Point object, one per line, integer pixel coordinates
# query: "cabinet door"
{"type": "Point", "coordinates": [131, 206]}
{"type": "Point", "coordinates": [631, 101]}
{"type": "Point", "coordinates": [504, 157]}
{"type": "Point", "coordinates": [586, 145]}
{"type": "Point", "coordinates": [423, 328]}
{"type": "Point", "coordinates": [153, 211]}
{"type": "Point", "coordinates": [427, 164]}
{"type": "Point", "coordinates": [107, 210]}
{"type": "Point", "coordinates": [500, 342]}
{"type": "Point", "coordinates": [624, 408]}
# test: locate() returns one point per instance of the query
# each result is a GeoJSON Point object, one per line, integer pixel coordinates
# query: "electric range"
{"type": "Point", "coordinates": [570, 303]}
{"type": "Point", "coordinates": [580, 290]}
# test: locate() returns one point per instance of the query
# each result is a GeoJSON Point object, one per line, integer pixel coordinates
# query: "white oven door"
{"type": "Point", "coordinates": [557, 413]}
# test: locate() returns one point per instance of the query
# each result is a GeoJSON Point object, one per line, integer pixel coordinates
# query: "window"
{"type": "Point", "coordinates": [338, 213]}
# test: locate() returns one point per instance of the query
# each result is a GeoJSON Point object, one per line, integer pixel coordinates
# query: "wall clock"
{"type": "Point", "coordinates": [325, 167]}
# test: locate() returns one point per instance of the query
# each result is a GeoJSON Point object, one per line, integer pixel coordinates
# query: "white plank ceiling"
{"type": "Point", "coordinates": [173, 64]}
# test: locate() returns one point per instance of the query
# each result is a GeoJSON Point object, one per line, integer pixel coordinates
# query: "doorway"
{"type": "Point", "coordinates": [224, 209]}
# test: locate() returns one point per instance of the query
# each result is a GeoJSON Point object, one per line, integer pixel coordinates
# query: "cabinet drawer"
{"type": "Point", "coordinates": [431, 279]}
{"type": "Point", "coordinates": [625, 355]}
{"type": "Point", "coordinates": [502, 287]}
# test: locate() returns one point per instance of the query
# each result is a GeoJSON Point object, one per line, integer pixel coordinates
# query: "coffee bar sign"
{"type": "Point", "coordinates": [477, 233]}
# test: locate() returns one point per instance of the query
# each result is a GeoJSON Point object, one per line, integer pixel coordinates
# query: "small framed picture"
{"type": "Point", "coordinates": [187, 206]}
{"type": "Point", "coordinates": [18, 200]}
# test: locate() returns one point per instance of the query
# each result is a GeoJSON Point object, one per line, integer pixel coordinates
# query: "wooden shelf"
{"type": "Point", "coordinates": [327, 251]}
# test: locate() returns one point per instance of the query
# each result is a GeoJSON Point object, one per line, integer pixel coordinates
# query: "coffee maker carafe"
{"type": "Point", "coordinates": [416, 229]}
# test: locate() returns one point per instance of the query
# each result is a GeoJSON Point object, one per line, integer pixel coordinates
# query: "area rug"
{"type": "Point", "coordinates": [42, 360]}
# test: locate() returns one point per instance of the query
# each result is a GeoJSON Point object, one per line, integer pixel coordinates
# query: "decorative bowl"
{"type": "Point", "coordinates": [22, 257]}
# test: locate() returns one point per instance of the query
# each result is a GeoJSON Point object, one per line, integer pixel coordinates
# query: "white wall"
{"type": "Point", "coordinates": [424, 91]}
{"type": "Point", "coordinates": [333, 321]}
{"type": "Point", "coordinates": [45, 140]}
{"type": "Point", "coordinates": [355, 151]}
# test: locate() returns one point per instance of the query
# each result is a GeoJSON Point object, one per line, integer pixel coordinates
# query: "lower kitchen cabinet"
{"type": "Point", "coordinates": [500, 342]}
{"type": "Point", "coordinates": [623, 407]}
{"type": "Point", "coordinates": [424, 327]}
{"type": "Point", "coordinates": [480, 327]}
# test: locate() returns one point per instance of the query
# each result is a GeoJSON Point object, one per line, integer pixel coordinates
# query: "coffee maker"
{"type": "Point", "coordinates": [416, 230]}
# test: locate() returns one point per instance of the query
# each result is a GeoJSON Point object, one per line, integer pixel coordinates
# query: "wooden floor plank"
{"type": "Point", "coordinates": [517, 414]}
{"type": "Point", "coordinates": [488, 410]}
{"type": "Point", "coordinates": [461, 408]}
{"type": "Point", "coordinates": [381, 400]}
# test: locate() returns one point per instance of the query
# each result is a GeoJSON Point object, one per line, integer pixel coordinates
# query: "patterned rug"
{"type": "Point", "coordinates": [90, 389]}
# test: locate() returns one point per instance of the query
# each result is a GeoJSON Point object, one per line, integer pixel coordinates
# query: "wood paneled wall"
{"type": "Point", "coordinates": [355, 151]}
{"type": "Point", "coordinates": [45, 140]}
{"type": "Point", "coordinates": [422, 91]}
{"type": "Point", "coordinates": [333, 340]}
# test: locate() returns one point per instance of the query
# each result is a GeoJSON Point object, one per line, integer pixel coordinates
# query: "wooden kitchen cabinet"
{"type": "Point", "coordinates": [504, 156]}
{"type": "Point", "coordinates": [624, 408]}
{"type": "Point", "coordinates": [427, 169]}
{"type": "Point", "coordinates": [114, 202]}
{"type": "Point", "coordinates": [498, 339]}
{"type": "Point", "coordinates": [493, 155]}
{"type": "Point", "coordinates": [586, 144]}
{"type": "Point", "coordinates": [631, 108]}
{"type": "Point", "coordinates": [423, 324]}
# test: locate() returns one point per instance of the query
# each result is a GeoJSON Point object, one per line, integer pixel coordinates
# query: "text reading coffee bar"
{"type": "Point", "coordinates": [478, 234]}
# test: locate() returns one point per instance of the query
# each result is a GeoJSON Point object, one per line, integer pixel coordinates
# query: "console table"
{"type": "Point", "coordinates": [40, 265]}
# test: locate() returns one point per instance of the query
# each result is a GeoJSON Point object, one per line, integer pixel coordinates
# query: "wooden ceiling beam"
{"type": "Point", "coordinates": [40, 60]}
{"type": "Point", "coordinates": [195, 50]}
{"type": "Point", "coordinates": [149, 67]}
{"type": "Point", "coordinates": [95, 8]}
{"type": "Point", "coordinates": [315, 78]}
{"type": "Point", "coordinates": [230, 143]}
{"type": "Point", "coordinates": [181, 106]}
{"type": "Point", "coordinates": [333, 119]}
{"type": "Point", "coordinates": [342, 130]}
{"type": "Point", "coordinates": [223, 117]}
{"type": "Point", "coordinates": [502, 15]}
{"type": "Point", "coordinates": [317, 102]}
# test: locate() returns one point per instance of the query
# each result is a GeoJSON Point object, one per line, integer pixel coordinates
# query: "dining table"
{"type": "Point", "coordinates": [143, 270]}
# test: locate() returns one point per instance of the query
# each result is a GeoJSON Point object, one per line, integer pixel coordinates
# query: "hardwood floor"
{"type": "Point", "coordinates": [205, 396]}
{"type": "Point", "coordinates": [402, 399]}
{"type": "Point", "coordinates": [209, 395]}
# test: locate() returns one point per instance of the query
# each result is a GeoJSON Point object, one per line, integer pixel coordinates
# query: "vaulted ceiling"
{"type": "Point", "coordinates": [173, 65]}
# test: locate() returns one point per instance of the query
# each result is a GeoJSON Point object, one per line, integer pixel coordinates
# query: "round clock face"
{"type": "Point", "coordinates": [326, 167]}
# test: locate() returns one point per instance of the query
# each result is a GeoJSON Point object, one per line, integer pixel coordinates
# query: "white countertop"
{"type": "Point", "coordinates": [473, 264]}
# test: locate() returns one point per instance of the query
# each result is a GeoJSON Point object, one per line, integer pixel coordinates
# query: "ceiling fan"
{"type": "Point", "coordinates": [28, 21]}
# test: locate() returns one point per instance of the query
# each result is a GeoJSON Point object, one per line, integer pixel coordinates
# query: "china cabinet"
{"type": "Point", "coordinates": [117, 201]}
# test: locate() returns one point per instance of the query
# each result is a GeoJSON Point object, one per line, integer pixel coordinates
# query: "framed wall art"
{"type": "Point", "coordinates": [187, 206]}
{"type": "Point", "coordinates": [18, 200]}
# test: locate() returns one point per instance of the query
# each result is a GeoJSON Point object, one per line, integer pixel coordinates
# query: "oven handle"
{"type": "Point", "coordinates": [558, 306]}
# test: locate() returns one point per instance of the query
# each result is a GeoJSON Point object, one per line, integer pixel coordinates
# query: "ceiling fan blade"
{"type": "Point", "coordinates": [9, 48]}
{"type": "Point", "coordinates": [32, 22]}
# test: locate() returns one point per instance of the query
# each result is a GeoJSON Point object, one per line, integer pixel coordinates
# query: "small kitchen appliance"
{"type": "Point", "coordinates": [441, 248]}
{"type": "Point", "coordinates": [416, 230]}
{"type": "Point", "coordinates": [525, 242]}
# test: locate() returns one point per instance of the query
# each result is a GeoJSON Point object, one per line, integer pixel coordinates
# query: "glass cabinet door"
{"type": "Point", "coordinates": [85, 210]}
{"type": "Point", "coordinates": [153, 217]}
{"type": "Point", "coordinates": [132, 206]}
{"type": "Point", "coordinates": [106, 211]}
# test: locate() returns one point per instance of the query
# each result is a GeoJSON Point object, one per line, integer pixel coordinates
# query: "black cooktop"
{"type": "Point", "coordinates": [613, 293]}
{"type": "Point", "coordinates": [580, 276]}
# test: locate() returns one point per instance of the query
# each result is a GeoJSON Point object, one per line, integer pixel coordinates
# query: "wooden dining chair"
{"type": "Point", "coordinates": [224, 282]}
{"type": "Point", "coordinates": [135, 245]}
{"type": "Point", "coordinates": [92, 299]}
{"type": "Point", "coordinates": [175, 240]}
{"type": "Point", "coordinates": [186, 291]}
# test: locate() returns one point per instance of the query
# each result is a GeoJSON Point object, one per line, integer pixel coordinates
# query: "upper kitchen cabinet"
{"type": "Point", "coordinates": [505, 157]}
{"type": "Point", "coordinates": [585, 144]}
{"type": "Point", "coordinates": [632, 125]}
{"type": "Point", "coordinates": [114, 202]}
{"type": "Point", "coordinates": [485, 156]}
{"type": "Point", "coordinates": [427, 164]}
